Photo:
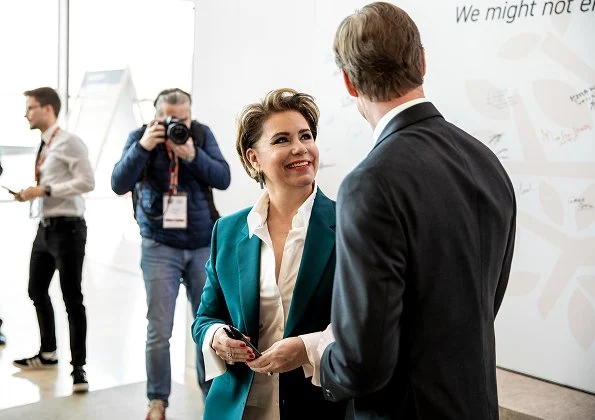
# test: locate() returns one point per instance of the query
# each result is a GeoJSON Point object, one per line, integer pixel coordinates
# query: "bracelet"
{"type": "Point", "coordinates": [213, 338]}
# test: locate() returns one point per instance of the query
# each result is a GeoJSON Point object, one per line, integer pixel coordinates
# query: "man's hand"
{"type": "Point", "coordinates": [154, 135]}
{"type": "Point", "coordinates": [30, 193]}
{"type": "Point", "coordinates": [283, 356]}
{"type": "Point", "coordinates": [184, 151]}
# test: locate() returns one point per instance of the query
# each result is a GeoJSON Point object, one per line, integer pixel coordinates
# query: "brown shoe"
{"type": "Point", "coordinates": [156, 410]}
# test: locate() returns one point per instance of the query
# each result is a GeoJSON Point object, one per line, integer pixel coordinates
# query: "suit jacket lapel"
{"type": "Point", "coordinates": [411, 115]}
{"type": "Point", "coordinates": [320, 241]}
{"type": "Point", "coordinates": [248, 256]}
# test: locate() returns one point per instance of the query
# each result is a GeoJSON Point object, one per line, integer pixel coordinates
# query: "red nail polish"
{"type": "Point", "coordinates": [242, 345]}
{"type": "Point", "coordinates": [251, 356]}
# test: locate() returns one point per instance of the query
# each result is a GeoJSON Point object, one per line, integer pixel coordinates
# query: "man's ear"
{"type": "Point", "coordinates": [423, 62]}
{"type": "Point", "coordinates": [350, 88]}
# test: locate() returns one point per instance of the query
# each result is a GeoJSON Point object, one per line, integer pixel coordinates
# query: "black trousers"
{"type": "Point", "coordinates": [60, 244]}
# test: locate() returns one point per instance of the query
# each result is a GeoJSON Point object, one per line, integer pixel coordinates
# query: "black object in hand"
{"type": "Point", "coordinates": [9, 190]}
{"type": "Point", "coordinates": [235, 334]}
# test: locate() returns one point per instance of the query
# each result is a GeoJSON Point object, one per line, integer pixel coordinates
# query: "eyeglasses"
{"type": "Point", "coordinates": [31, 108]}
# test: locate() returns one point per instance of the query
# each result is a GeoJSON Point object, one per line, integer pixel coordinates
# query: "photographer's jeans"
{"type": "Point", "coordinates": [164, 269]}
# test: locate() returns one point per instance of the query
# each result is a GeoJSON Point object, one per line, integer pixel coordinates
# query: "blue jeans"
{"type": "Point", "coordinates": [164, 268]}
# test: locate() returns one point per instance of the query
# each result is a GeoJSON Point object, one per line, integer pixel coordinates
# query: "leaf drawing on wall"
{"type": "Point", "coordinates": [519, 46]}
{"type": "Point", "coordinates": [581, 319]}
{"type": "Point", "coordinates": [585, 216]}
{"type": "Point", "coordinates": [588, 283]}
{"type": "Point", "coordinates": [553, 98]}
{"type": "Point", "coordinates": [521, 283]}
{"type": "Point", "coordinates": [564, 56]}
{"type": "Point", "coordinates": [561, 22]}
{"type": "Point", "coordinates": [479, 93]}
{"type": "Point", "coordinates": [551, 203]}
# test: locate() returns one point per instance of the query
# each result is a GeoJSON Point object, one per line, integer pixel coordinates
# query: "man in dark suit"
{"type": "Point", "coordinates": [425, 235]}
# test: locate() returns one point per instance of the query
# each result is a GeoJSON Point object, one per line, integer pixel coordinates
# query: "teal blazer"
{"type": "Point", "coordinates": [231, 296]}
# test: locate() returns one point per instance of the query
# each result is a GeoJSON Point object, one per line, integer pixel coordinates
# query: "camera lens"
{"type": "Point", "coordinates": [177, 132]}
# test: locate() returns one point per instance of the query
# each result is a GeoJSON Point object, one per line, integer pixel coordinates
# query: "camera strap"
{"type": "Point", "coordinates": [175, 205]}
{"type": "Point", "coordinates": [174, 168]}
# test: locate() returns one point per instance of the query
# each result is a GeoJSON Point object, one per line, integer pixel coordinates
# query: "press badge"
{"type": "Point", "coordinates": [175, 211]}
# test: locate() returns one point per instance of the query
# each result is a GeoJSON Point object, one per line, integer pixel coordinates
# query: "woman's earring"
{"type": "Point", "coordinates": [260, 179]}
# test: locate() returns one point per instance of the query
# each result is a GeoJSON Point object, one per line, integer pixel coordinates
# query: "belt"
{"type": "Point", "coordinates": [53, 221]}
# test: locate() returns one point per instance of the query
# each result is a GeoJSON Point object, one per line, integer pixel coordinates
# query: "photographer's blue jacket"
{"type": "Point", "coordinates": [208, 167]}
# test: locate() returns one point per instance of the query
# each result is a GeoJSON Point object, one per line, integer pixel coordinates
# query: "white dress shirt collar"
{"type": "Point", "coordinates": [383, 122]}
{"type": "Point", "coordinates": [257, 217]}
{"type": "Point", "coordinates": [47, 134]}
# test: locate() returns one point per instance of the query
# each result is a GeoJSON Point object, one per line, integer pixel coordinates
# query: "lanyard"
{"type": "Point", "coordinates": [42, 155]}
{"type": "Point", "coordinates": [173, 170]}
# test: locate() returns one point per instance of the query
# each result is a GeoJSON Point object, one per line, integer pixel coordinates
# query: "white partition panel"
{"type": "Point", "coordinates": [520, 76]}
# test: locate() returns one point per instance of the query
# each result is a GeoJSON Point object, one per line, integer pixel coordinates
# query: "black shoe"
{"type": "Point", "coordinates": [2, 336]}
{"type": "Point", "coordinates": [79, 380]}
{"type": "Point", "coordinates": [36, 362]}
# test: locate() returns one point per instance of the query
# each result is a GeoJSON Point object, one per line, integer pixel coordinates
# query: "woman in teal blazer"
{"type": "Point", "coordinates": [270, 274]}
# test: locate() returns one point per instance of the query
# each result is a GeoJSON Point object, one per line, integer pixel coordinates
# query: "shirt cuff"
{"type": "Point", "coordinates": [214, 365]}
{"type": "Point", "coordinates": [312, 368]}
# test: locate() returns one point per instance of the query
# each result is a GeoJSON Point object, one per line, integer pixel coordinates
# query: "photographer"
{"type": "Point", "coordinates": [172, 177]}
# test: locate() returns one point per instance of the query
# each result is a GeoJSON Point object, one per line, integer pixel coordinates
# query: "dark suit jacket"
{"type": "Point", "coordinates": [231, 296]}
{"type": "Point", "coordinates": [425, 235]}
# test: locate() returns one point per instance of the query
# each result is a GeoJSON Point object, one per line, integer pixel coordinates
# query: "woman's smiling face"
{"type": "Point", "coordinates": [286, 152]}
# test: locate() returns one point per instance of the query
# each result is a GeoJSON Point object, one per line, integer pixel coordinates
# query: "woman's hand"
{"type": "Point", "coordinates": [231, 350]}
{"type": "Point", "coordinates": [283, 356]}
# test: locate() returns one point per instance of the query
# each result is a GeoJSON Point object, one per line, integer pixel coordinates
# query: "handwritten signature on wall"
{"type": "Point", "coordinates": [585, 96]}
{"type": "Point", "coordinates": [563, 137]}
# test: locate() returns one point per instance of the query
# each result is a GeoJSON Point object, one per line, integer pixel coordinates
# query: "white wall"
{"type": "Point", "coordinates": [513, 85]}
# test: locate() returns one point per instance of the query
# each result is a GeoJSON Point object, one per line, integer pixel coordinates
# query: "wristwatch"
{"type": "Point", "coordinates": [47, 190]}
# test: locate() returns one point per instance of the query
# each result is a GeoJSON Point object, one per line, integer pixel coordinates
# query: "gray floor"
{"type": "Point", "coordinates": [525, 398]}
{"type": "Point", "coordinates": [113, 403]}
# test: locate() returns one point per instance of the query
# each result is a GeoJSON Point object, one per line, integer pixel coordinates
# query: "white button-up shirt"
{"type": "Point", "coordinates": [68, 171]}
{"type": "Point", "coordinates": [275, 301]}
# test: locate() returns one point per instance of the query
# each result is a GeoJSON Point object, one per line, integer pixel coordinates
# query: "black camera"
{"type": "Point", "coordinates": [175, 130]}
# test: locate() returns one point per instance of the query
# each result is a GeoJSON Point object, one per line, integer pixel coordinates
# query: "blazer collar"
{"type": "Point", "coordinates": [409, 116]}
{"type": "Point", "coordinates": [318, 248]}
{"type": "Point", "coordinates": [248, 258]}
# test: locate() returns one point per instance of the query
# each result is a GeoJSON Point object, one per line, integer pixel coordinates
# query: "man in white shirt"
{"type": "Point", "coordinates": [63, 173]}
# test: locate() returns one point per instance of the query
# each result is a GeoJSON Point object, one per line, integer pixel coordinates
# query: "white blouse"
{"type": "Point", "coordinates": [275, 301]}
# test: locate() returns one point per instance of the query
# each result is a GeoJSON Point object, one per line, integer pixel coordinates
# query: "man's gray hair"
{"type": "Point", "coordinates": [173, 97]}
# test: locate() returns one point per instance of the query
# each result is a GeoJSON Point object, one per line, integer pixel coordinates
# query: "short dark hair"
{"type": "Point", "coordinates": [173, 96]}
{"type": "Point", "coordinates": [252, 118]}
{"type": "Point", "coordinates": [379, 47]}
{"type": "Point", "coordinates": [46, 96]}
